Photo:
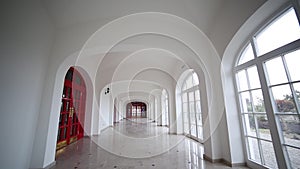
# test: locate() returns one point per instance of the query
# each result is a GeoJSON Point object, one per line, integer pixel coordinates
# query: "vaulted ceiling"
{"type": "Point", "coordinates": [147, 56]}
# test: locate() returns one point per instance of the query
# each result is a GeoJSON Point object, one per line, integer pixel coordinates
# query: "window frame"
{"type": "Point", "coordinates": [193, 89]}
{"type": "Point", "coordinates": [259, 62]}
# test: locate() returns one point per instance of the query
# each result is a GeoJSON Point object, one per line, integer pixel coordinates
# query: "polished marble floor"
{"type": "Point", "coordinates": [134, 144]}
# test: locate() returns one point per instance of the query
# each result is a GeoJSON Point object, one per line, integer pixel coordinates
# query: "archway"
{"type": "Point", "coordinates": [136, 110]}
{"type": "Point", "coordinates": [72, 112]}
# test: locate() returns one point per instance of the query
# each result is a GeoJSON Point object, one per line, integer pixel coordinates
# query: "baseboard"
{"type": "Point", "coordinates": [223, 161]}
{"type": "Point", "coordinates": [172, 133]}
{"type": "Point", "coordinates": [205, 157]}
{"type": "Point", "coordinates": [105, 128]}
{"type": "Point", "coordinates": [48, 166]}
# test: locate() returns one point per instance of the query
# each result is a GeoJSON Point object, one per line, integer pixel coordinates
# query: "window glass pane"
{"type": "Point", "coordinates": [263, 127]}
{"type": "Point", "coordinates": [253, 77]}
{"type": "Point", "coordinates": [246, 102]}
{"type": "Point", "coordinates": [192, 107]}
{"type": "Point", "coordinates": [193, 130]}
{"type": "Point", "coordinates": [133, 111]}
{"type": "Point", "coordinates": [247, 55]}
{"type": "Point", "coordinates": [184, 97]}
{"type": "Point", "coordinates": [69, 74]}
{"type": "Point", "coordinates": [269, 154]}
{"type": "Point", "coordinates": [283, 98]}
{"type": "Point", "coordinates": [198, 107]}
{"type": "Point", "coordinates": [192, 118]}
{"type": "Point", "coordinates": [253, 150]}
{"type": "Point", "coordinates": [242, 80]}
{"type": "Point", "coordinates": [184, 87]}
{"type": "Point", "coordinates": [249, 124]}
{"type": "Point", "coordinates": [197, 95]}
{"type": "Point", "coordinates": [297, 91]}
{"type": "Point", "coordinates": [200, 132]}
{"type": "Point", "coordinates": [185, 118]}
{"type": "Point", "coordinates": [191, 96]}
{"type": "Point", "coordinates": [78, 79]}
{"type": "Point", "coordinates": [294, 155]}
{"type": "Point", "coordinates": [185, 107]}
{"type": "Point", "coordinates": [199, 119]}
{"type": "Point", "coordinates": [276, 72]}
{"type": "Point", "coordinates": [186, 128]}
{"type": "Point", "coordinates": [290, 127]}
{"type": "Point", "coordinates": [258, 101]}
{"type": "Point", "coordinates": [282, 31]}
{"type": "Point", "coordinates": [195, 79]}
{"type": "Point", "coordinates": [189, 82]}
{"type": "Point", "coordinates": [293, 64]}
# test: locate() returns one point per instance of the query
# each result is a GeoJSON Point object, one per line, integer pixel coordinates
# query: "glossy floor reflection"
{"type": "Point", "coordinates": [87, 154]}
{"type": "Point", "coordinates": [137, 138]}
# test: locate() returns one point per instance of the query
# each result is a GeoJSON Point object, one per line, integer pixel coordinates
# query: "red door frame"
{"type": "Point", "coordinates": [72, 112]}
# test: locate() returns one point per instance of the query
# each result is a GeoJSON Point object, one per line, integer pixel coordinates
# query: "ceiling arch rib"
{"type": "Point", "coordinates": [135, 96]}
{"type": "Point", "coordinates": [157, 23]}
{"type": "Point", "coordinates": [146, 50]}
{"type": "Point", "coordinates": [132, 86]}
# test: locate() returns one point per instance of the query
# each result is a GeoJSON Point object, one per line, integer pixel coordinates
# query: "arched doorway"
{"type": "Point", "coordinates": [72, 111]}
{"type": "Point", "coordinates": [136, 110]}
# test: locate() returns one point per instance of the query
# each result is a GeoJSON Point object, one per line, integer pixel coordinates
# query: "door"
{"type": "Point", "coordinates": [136, 110]}
{"type": "Point", "coordinates": [72, 111]}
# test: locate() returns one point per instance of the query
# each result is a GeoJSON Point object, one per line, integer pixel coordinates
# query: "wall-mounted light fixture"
{"type": "Point", "coordinates": [106, 91]}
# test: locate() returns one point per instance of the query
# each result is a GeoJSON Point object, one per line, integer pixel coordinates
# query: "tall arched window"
{"type": "Point", "coordinates": [191, 107]}
{"type": "Point", "coordinates": [165, 108]}
{"type": "Point", "coordinates": [268, 89]}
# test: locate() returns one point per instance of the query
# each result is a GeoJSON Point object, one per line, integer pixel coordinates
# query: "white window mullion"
{"type": "Point", "coordinates": [254, 47]}
{"type": "Point", "coordinates": [290, 84]}
{"type": "Point", "coordinates": [296, 6]}
{"type": "Point", "coordinates": [277, 138]}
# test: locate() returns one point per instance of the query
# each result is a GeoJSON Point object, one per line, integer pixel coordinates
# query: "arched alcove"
{"type": "Point", "coordinates": [53, 119]}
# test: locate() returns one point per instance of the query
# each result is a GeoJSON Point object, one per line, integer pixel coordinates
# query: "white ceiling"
{"type": "Point", "coordinates": [218, 19]}
{"type": "Point", "coordinates": [131, 58]}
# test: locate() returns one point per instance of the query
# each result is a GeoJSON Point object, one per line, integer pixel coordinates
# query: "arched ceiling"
{"type": "Point", "coordinates": [218, 19]}
{"type": "Point", "coordinates": [138, 55]}
{"type": "Point", "coordinates": [135, 96]}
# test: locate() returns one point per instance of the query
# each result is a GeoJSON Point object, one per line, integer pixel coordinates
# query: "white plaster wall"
{"type": "Point", "coordinates": [235, 139]}
{"type": "Point", "coordinates": [25, 43]}
{"type": "Point", "coordinates": [229, 18]}
{"type": "Point", "coordinates": [105, 113]}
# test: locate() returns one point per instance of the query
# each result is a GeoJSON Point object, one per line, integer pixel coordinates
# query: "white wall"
{"type": "Point", "coordinates": [26, 39]}
{"type": "Point", "coordinates": [105, 110]}
{"type": "Point", "coordinates": [235, 140]}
